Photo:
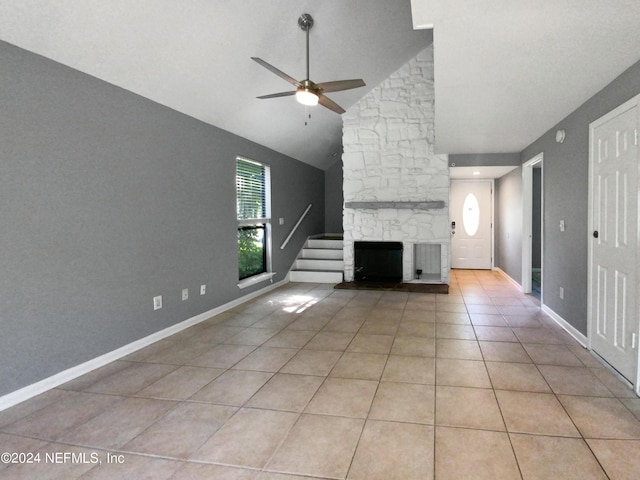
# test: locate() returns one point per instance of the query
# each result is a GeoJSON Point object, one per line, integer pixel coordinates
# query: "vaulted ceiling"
{"type": "Point", "coordinates": [505, 71]}
{"type": "Point", "coordinates": [195, 56]}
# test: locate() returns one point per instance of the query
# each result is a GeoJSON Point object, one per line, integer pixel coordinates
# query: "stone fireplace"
{"type": "Point", "coordinates": [396, 189]}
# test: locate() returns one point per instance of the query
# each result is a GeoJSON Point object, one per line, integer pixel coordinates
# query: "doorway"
{"type": "Point", "coordinates": [612, 325]}
{"type": "Point", "coordinates": [532, 225]}
{"type": "Point", "coordinates": [471, 215]}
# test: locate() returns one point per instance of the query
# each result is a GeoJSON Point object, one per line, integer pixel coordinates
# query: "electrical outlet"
{"type": "Point", "coordinates": [185, 294]}
{"type": "Point", "coordinates": [281, 221]}
{"type": "Point", "coordinates": [157, 302]}
{"type": "Point", "coordinates": [562, 225]}
{"type": "Point", "coordinates": [561, 293]}
{"type": "Point", "coordinates": [203, 289]}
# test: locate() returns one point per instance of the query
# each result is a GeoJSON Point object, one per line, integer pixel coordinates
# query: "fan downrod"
{"type": "Point", "coordinates": [305, 22]}
{"type": "Point", "coordinates": [308, 92]}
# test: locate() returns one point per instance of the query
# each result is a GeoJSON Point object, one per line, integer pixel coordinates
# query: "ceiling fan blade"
{"type": "Point", "coordinates": [340, 85]}
{"type": "Point", "coordinates": [280, 73]}
{"type": "Point", "coordinates": [330, 104]}
{"type": "Point", "coordinates": [276, 95]}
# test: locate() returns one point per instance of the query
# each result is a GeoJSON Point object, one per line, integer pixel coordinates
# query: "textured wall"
{"type": "Point", "coordinates": [484, 159]}
{"type": "Point", "coordinates": [108, 199]}
{"type": "Point", "coordinates": [388, 140]}
{"type": "Point", "coordinates": [566, 194]}
{"type": "Point", "coordinates": [508, 231]}
{"type": "Point", "coordinates": [333, 200]}
{"type": "Point", "coordinates": [536, 218]}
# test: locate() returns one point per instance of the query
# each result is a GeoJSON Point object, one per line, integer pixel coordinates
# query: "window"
{"type": "Point", "coordinates": [471, 215]}
{"type": "Point", "coordinates": [253, 212]}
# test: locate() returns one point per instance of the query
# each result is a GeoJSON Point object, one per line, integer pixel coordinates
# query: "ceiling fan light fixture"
{"type": "Point", "coordinates": [306, 97]}
{"type": "Point", "coordinates": [308, 92]}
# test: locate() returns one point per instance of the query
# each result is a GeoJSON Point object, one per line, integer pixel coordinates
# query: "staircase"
{"type": "Point", "coordinates": [319, 261]}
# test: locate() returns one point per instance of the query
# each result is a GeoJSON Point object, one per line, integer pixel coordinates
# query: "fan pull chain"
{"type": "Point", "coordinates": [306, 112]}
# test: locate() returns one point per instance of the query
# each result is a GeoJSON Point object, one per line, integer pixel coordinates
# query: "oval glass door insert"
{"type": "Point", "coordinates": [471, 215]}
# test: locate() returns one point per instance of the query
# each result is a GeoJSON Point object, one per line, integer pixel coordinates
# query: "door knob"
{"type": "Point", "coordinates": [595, 234]}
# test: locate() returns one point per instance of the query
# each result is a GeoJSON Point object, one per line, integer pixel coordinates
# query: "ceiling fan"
{"type": "Point", "coordinates": [308, 92]}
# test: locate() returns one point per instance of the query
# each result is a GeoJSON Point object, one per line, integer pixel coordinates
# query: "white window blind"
{"type": "Point", "coordinates": [251, 190]}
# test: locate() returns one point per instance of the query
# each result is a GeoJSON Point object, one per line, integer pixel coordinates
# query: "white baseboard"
{"type": "Point", "coordinates": [505, 275]}
{"type": "Point", "coordinates": [570, 329]}
{"type": "Point", "coordinates": [53, 381]}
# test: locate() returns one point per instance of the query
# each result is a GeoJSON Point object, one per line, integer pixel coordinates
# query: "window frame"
{"type": "Point", "coordinates": [264, 221]}
{"type": "Point", "coordinates": [256, 226]}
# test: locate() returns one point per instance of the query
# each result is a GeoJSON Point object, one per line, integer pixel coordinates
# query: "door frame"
{"type": "Point", "coordinates": [492, 201]}
{"type": "Point", "coordinates": [527, 220]}
{"type": "Point", "coordinates": [629, 104]}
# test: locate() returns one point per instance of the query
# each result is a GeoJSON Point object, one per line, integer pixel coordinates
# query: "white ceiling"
{"type": "Point", "coordinates": [506, 71]}
{"type": "Point", "coordinates": [194, 56]}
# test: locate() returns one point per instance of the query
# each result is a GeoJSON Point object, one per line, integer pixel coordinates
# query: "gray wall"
{"type": "Point", "coordinates": [484, 159]}
{"type": "Point", "coordinates": [536, 218]}
{"type": "Point", "coordinates": [108, 199]}
{"type": "Point", "coordinates": [566, 174]}
{"type": "Point", "coordinates": [508, 219]}
{"type": "Point", "coordinates": [334, 198]}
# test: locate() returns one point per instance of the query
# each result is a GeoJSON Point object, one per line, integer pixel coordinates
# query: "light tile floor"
{"type": "Point", "coordinates": [311, 382]}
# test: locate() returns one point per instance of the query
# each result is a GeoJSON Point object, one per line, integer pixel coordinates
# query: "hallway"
{"type": "Point", "coordinates": [307, 382]}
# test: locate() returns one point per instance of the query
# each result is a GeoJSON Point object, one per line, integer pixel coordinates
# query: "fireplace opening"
{"type": "Point", "coordinates": [378, 261]}
{"type": "Point", "coordinates": [427, 261]}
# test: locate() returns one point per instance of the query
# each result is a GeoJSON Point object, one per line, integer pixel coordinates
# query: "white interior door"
{"type": "Point", "coordinates": [613, 320]}
{"type": "Point", "coordinates": [471, 224]}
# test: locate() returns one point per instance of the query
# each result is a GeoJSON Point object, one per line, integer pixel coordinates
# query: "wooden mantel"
{"type": "Point", "coordinates": [426, 205]}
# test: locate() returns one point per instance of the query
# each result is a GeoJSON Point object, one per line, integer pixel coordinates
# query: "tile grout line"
{"type": "Point", "coordinates": [493, 389]}
{"type": "Point", "coordinates": [555, 395]}
{"type": "Point", "coordinates": [366, 419]}
{"type": "Point", "coordinates": [325, 377]}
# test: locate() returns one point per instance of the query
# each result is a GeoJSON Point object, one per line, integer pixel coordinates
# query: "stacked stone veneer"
{"type": "Point", "coordinates": [388, 139]}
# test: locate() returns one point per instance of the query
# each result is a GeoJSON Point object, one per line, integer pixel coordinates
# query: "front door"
{"type": "Point", "coordinates": [471, 221]}
{"type": "Point", "coordinates": [614, 239]}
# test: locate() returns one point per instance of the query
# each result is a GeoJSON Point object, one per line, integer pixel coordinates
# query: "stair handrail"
{"type": "Point", "coordinates": [295, 227]}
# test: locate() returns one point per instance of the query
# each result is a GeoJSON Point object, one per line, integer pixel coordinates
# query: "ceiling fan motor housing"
{"type": "Point", "coordinates": [305, 22]}
{"type": "Point", "coordinates": [310, 86]}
